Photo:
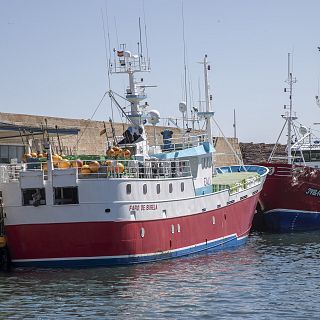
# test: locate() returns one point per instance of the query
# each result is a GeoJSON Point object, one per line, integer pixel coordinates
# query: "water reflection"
{"type": "Point", "coordinates": [263, 279]}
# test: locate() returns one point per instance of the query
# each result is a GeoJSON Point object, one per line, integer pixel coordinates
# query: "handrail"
{"type": "Point", "coordinates": [180, 141]}
{"type": "Point", "coordinates": [148, 169]}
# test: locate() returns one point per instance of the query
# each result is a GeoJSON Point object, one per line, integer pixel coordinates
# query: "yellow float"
{"type": "Point", "coordinates": [111, 153]}
{"type": "Point", "coordinates": [76, 163]}
{"type": "Point", "coordinates": [94, 166]}
{"type": "Point", "coordinates": [55, 159]}
{"type": "Point", "coordinates": [126, 153]}
{"type": "Point", "coordinates": [44, 166]}
{"type": "Point", "coordinates": [118, 151]}
{"type": "Point", "coordinates": [63, 164]}
{"type": "Point", "coordinates": [85, 169]}
{"type": "Point", "coordinates": [26, 157]}
{"type": "Point", "coordinates": [119, 167]}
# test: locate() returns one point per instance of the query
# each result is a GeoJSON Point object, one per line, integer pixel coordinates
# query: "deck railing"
{"type": "Point", "coordinates": [180, 141]}
{"type": "Point", "coordinates": [149, 169]}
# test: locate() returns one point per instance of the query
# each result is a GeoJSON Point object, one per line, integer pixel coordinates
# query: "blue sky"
{"type": "Point", "coordinates": [52, 57]}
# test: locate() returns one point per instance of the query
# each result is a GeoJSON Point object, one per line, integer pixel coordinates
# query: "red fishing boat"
{"type": "Point", "coordinates": [139, 203]}
{"type": "Point", "coordinates": [290, 199]}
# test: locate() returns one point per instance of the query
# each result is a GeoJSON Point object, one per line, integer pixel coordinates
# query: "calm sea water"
{"type": "Point", "coordinates": [271, 277]}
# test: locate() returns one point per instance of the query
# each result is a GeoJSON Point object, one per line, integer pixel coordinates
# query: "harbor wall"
{"type": "Point", "coordinates": [225, 151]}
{"type": "Point", "coordinates": [89, 140]}
{"type": "Point", "coordinates": [260, 152]}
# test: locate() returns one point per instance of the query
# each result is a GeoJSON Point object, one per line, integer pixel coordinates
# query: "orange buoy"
{"type": "Point", "coordinates": [55, 159]}
{"type": "Point", "coordinates": [117, 151]}
{"type": "Point", "coordinates": [108, 163]}
{"type": "Point", "coordinates": [34, 155]}
{"type": "Point", "coordinates": [76, 163]}
{"type": "Point", "coordinates": [94, 166]}
{"type": "Point", "coordinates": [85, 169]}
{"type": "Point", "coordinates": [40, 155]}
{"type": "Point", "coordinates": [44, 166]}
{"type": "Point", "coordinates": [63, 164]}
{"type": "Point", "coordinates": [126, 153]}
{"type": "Point", "coordinates": [26, 157]}
{"type": "Point", "coordinates": [119, 167]}
{"type": "Point", "coordinates": [111, 153]}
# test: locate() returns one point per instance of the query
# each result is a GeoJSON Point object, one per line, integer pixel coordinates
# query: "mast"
{"type": "Point", "coordinates": [289, 114]}
{"type": "Point", "coordinates": [129, 64]}
{"type": "Point", "coordinates": [234, 124]}
{"type": "Point", "coordinates": [209, 112]}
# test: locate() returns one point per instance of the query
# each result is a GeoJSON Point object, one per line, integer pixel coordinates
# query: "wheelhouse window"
{"type": "Point", "coordinates": [203, 162]}
{"type": "Point", "coordinates": [9, 152]}
{"type": "Point", "coordinates": [145, 189]}
{"type": "Point", "coordinates": [128, 188]}
{"type": "Point", "coordinates": [306, 156]}
{"type": "Point", "coordinates": [315, 155]}
{"type": "Point", "coordinates": [33, 197]}
{"type": "Point", "coordinates": [66, 195]}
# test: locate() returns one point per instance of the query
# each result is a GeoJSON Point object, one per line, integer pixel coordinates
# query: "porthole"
{"type": "Point", "coordinates": [158, 188]}
{"type": "Point", "coordinates": [133, 215]}
{"type": "Point", "coordinates": [213, 220]}
{"type": "Point", "coordinates": [145, 189]}
{"type": "Point", "coordinates": [178, 227]}
{"type": "Point", "coordinates": [182, 186]}
{"type": "Point", "coordinates": [142, 232]}
{"type": "Point", "coordinates": [128, 188]}
{"type": "Point", "coordinates": [170, 188]}
{"type": "Point", "coordinates": [172, 228]}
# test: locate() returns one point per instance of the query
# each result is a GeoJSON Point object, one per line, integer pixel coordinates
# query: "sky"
{"type": "Point", "coordinates": [53, 58]}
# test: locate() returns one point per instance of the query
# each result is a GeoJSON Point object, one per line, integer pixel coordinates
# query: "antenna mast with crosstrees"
{"type": "Point", "coordinates": [289, 115]}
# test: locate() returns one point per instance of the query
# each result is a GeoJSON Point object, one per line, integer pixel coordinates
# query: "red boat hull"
{"type": "Point", "coordinates": [103, 243]}
{"type": "Point", "coordinates": [290, 199]}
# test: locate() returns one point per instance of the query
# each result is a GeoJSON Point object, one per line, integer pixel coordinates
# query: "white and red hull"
{"type": "Point", "coordinates": [111, 242]}
{"type": "Point", "coordinates": [124, 220]}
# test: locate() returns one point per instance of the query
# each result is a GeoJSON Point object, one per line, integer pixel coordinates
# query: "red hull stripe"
{"type": "Point", "coordinates": [129, 241]}
{"type": "Point", "coordinates": [216, 245]}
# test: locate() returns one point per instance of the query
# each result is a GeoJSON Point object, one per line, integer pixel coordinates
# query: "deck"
{"type": "Point", "coordinates": [234, 181]}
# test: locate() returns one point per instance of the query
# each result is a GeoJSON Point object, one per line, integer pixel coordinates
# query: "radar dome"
{"type": "Point", "coordinates": [153, 117]}
{"type": "Point", "coordinates": [182, 107]}
{"type": "Point", "coordinates": [303, 130]}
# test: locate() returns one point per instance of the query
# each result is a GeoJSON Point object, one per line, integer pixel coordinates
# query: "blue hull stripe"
{"type": "Point", "coordinates": [287, 220]}
{"type": "Point", "coordinates": [215, 245]}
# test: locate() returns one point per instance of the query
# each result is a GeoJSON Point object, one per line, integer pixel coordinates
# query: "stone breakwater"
{"type": "Point", "coordinates": [259, 152]}
{"type": "Point", "coordinates": [90, 140]}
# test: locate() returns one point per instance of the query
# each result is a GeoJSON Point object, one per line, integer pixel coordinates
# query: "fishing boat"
{"type": "Point", "coordinates": [138, 203]}
{"type": "Point", "coordinates": [289, 201]}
